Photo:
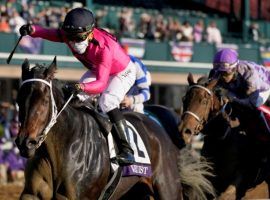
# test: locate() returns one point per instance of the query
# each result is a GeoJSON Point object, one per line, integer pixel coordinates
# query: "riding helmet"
{"type": "Point", "coordinates": [225, 59]}
{"type": "Point", "coordinates": [79, 20]}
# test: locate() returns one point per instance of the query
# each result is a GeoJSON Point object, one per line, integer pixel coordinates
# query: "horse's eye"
{"type": "Point", "coordinates": [45, 102]}
{"type": "Point", "coordinates": [204, 101]}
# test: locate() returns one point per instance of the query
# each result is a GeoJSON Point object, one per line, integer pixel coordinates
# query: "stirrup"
{"type": "Point", "coordinates": [128, 159]}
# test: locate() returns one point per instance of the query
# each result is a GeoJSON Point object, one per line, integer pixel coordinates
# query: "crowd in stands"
{"type": "Point", "coordinates": [159, 28]}
{"type": "Point", "coordinates": [13, 16]}
{"type": "Point", "coordinates": [148, 26]}
{"type": "Point", "coordinates": [11, 163]}
{"type": "Point", "coordinates": [153, 26]}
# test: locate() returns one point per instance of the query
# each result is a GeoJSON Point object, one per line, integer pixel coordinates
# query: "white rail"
{"type": "Point", "coordinates": [71, 59]}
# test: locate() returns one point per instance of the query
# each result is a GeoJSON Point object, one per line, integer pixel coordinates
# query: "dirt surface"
{"type": "Point", "coordinates": [10, 191]}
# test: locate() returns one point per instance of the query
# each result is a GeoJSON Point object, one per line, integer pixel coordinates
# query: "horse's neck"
{"type": "Point", "coordinates": [217, 125]}
{"type": "Point", "coordinates": [76, 136]}
{"type": "Point", "coordinates": [76, 124]}
{"type": "Point", "coordinates": [217, 105]}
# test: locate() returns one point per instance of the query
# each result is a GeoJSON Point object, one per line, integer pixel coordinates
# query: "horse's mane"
{"type": "Point", "coordinates": [38, 71]}
{"type": "Point", "coordinates": [203, 80]}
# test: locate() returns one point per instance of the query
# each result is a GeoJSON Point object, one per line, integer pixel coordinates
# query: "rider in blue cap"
{"type": "Point", "coordinates": [248, 83]}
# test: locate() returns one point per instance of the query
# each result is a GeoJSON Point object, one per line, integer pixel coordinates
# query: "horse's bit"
{"type": "Point", "coordinates": [55, 113]}
{"type": "Point", "coordinates": [200, 120]}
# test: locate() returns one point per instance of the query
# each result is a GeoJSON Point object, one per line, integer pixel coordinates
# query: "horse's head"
{"type": "Point", "coordinates": [198, 103]}
{"type": "Point", "coordinates": [36, 106]}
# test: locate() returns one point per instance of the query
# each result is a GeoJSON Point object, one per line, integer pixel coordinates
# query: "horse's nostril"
{"type": "Point", "coordinates": [17, 141]}
{"type": "Point", "coordinates": [31, 143]}
{"type": "Point", "coordinates": [187, 131]}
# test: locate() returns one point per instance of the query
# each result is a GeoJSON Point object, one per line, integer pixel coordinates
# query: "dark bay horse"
{"type": "Point", "coordinates": [68, 153]}
{"type": "Point", "coordinates": [238, 157]}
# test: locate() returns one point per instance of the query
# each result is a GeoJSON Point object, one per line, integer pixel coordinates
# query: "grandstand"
{"type": "Point", "coordinates": [168, 60]}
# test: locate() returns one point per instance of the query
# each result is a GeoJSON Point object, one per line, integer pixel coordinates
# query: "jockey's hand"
{"type": "Point", "coordinates": [74, 88]}
{"type": "Point", "coordinates": [26, 29]}
{"type": "Point", "coordinates": [229, 98]}
{"type": "Point", "coordinates": [127, 102]}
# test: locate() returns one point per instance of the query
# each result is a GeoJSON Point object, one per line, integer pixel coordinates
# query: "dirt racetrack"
{"type": "Point", "coordinates": [12, 191]}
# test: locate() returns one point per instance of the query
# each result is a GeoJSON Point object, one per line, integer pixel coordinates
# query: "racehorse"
{"type": "Point", "coordinates": [67, 150]}
{"type": "Point", "coordinates": [238, 157]}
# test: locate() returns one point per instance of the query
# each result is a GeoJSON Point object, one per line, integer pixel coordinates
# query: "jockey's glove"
{"type": "Point", "coordinates": [74, 88]}
{"type": "Point", "coordinates": [26, 29]}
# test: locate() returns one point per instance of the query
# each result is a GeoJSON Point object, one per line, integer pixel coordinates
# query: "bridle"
{"type": "Point", "coordinates": [54, 112]}
{"type": "Point", "coordinates": [201, 120]}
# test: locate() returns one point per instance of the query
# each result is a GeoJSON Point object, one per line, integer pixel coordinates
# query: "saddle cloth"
{"type": "Point", "coordinates": [142, 165]}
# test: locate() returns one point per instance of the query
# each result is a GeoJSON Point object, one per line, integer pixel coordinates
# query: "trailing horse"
{"type": "Point", "coordinates": [239, 158]}
{"type": "Point", "coordinates": [68, 151]}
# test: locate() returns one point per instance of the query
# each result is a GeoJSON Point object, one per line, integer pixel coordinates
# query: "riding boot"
{"type": "Point", "coordinates": [125, 156]}
{"type": "Point", "coordinates": [125, 153]}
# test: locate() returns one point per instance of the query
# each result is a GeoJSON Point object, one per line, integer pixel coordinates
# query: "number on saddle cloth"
{"type": "Point", "coordinates": [142, 165]}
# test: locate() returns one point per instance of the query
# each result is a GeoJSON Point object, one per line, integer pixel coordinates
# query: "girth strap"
{"type": "Point", "coordinates": [111, 186]}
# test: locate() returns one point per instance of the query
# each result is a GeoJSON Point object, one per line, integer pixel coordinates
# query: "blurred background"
{"type": "Point", "coordinates": [171, 37]}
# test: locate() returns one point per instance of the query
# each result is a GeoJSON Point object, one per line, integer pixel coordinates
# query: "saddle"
{"type": "Point", "coordinates": [88, 106]}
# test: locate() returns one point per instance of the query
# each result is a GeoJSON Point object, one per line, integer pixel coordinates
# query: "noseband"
{"type": "Point", "coordinates": [202, 120]}
{"type": "Point", "coordinates": [55, 114]}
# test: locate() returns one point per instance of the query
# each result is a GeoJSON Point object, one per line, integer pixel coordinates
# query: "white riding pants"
{"type": "Point", "coordinates": [118, 85]}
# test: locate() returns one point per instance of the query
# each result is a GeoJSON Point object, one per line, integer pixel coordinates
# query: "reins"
{"type": "Point", "coordinates": [55, 114]}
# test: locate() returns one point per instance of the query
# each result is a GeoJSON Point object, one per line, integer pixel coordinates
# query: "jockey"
{"type": "Point", "coordinates": [104, 58]}
{"type": "Point", "coordinates": [140, 91]}
{"type": "Point", "coordinates": [247, 82]}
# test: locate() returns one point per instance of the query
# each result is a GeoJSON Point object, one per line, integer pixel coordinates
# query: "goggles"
{"type": "Point", "coordinates": [225, 67]}
{"type": "Point", "coordinates": [77, 37]}
{"type": "Point", "coordinates": [226, 74]}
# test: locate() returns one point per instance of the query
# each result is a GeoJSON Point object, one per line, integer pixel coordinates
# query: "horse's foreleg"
{"type": "Point", "coordinates": [28, 197]}
{"type": "Point", "coordinates": [36, 186]}
{"type": "Point", "coordinates": [60, 197]}
{"type": "Point", "coordinates": [37, 191]}
{"type": "Point", "coordinates": [32, 197]}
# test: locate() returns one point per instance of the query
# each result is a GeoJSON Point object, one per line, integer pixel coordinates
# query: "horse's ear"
{"type": "Point", "coordinates": [25, 68]}
{"type": "Point", "coordinates": [212, 83]}
{"type": "Point", "coordinates": [190, 79]}
{"type": "Point", "coordinates": [51, 70]}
